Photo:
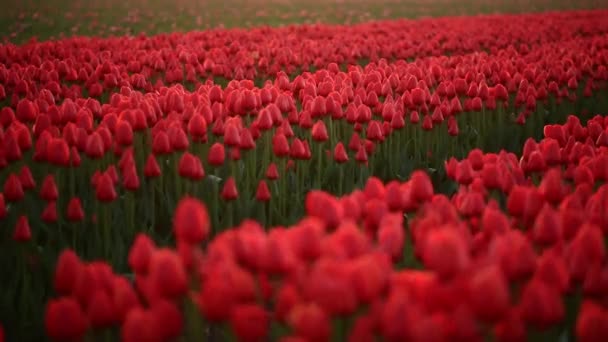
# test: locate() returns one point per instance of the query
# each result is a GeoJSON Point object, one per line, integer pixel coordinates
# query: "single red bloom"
{"type": "Point", "coordinates": [167, 274]}
{"type": "Point", "coordinates": [172, 321]}
{"type": "Point", "coordinates": [191, 221]}
{"type": "Point", "coordinates": [217, 154]}
{"type": "Point", "coordinates": [489, 294]}
{"type": "Point", "coordinates": [141, 325]}
{"type": "Point", "coordinates": [26, 178]}
{"type": "Point", "coordinates": [229, 191]}
{"type": "Point", "coordinates": [22, 231]}
{"type": "Point", "coordinates": [319, 132]}
{"type": "Point", "coordinates": [64, 320]}
{"type": "Point", "coordinates": [310, 321]}
{"type": "Point", "coordinates": [13, 190]}
{"type": "Point", "coordinates": [592, 323]}
{"type": "Point", "coordinates": [75, 212]}
{"type": "Point", "coordinates": [105, 191]}
{"type": "Point", "coordinates": [446, 252]}
{"type": "Point", "coordinates": [262, 193]}
{"type": "Point", "coordinates": [152, 169]}
{"type": "Point", "coordinates": [124, 133]}
{"type": "Point", "coordinates": [67, 271]}
{"type": "Point", "coordinates": [250, 322]}
{"type": "Point", "coordinates": [272, 173]}
{"type": "Point", "coordinates": [101, 311]}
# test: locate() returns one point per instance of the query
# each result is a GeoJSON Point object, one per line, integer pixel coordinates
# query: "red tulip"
{"type": "Point", "coordinates": [140, 325]}
{"type": "Point", "coordinates": [229, 191]}
{"type": "Point", "coordinates": [319, 132]}
{"type": "Point", "coordinates": [262, 193]}
{"type": "Point", "coordinates": [105, 191]}
{"type": "Point", "coordinates": [67, 271]}
{"type": "Point", "coordinates": [190, 167]}
{"type": "Point", "coordinates": [131, 179]}
{"type": "Point", "coordinates": [216, 154]}
{"type": "Point", "coordinates": [280, 145]}
{"type": "Point", "coordinates": [310, 321]}
{"type": "Point", "coordinates": [151, 169]}
{"type": "Point", "coordinates": [22, 231]}
{"type": "Point", "coordinates": [94, 147]}
{"type": "Point", "coordinates": [421, 186]}
{"type": "Point", "coordinates": [446, 252]}
{"type": "Point", "coordinates": [64, 320]}
{"type": "Point", "coordinates": [172, 321]}
{"type": "Point", "coordinates": [75, 212]}
{"type": "Point", "coordinates": [124, 133]}
{"type": "Point", "coordinates": [49, 214]}
{"type": "Point", "coordinates": [592, 323]}
{"type": "Point", "coordinates": [167, 274]}
{"type": "Point", "coordinates": [272, 173]}
{"type": "Point", "coordinates": [489, 294]}
{"type": "Point", "coordinates": [250, 322]}
{"type": "Point", "coordinates": [101, 311]}
{"type": "Point", "coordinates": [13, 190]}
{"type": "Point", "coordinates": [161, 144]}
{"type": "Point", "coordinates": [541, 305]}
{"type": "Point", "coordinates": [191, 221]}
{"type": "Point", "coordinates": [26, 178]}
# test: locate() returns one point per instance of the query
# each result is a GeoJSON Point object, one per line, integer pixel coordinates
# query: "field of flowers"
{"type": "Point", "coordinates": [436, 179]}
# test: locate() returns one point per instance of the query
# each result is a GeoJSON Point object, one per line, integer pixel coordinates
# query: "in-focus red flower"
{"type": "Point", "coordinates": [280, 145]}
{"type": "Point", "coordinates": [22, 231]}
{"type": "Point", "coordinates": [191, 221]}
{"type": "Point", "coordinates": [272, 173]}
{"type": "Point", "coordinates": [152, 169]}
{"type": "Point", "coordinates": [190, 167]}
{"type": "Point", "coordinates": [26, 178]}
{"type": "Point", "coordinates": [104, 190]}
{"type": "Point", "coordinates": [262, 193]}
{"type": "Point", "coordinates": [216, 155]}
{"type": "Point", "coordinates": [75, 212]}
{"type": "Point", "coordinates": [319, 132]}
{"type": "Point", "coordinates": [130, 179]}
{"type": "Point", "coordinates": [229, 191]}
{"type": "Point", "coordinates": [340, 155]}
{"type": "Point", "coordinates": [13, 190]}
{"type": "Point", "coordinates": [124, 133]}
{"type": "Point", "coordinates": [64, 320]}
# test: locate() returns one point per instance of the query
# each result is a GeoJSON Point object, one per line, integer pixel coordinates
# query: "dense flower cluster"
{"type": "Point", "coordinates": [500, 257]}
{"type": "Point", "coordinates": [106, 143]}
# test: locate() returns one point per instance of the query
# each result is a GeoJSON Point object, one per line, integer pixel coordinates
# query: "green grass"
{"type": "Point", "coordinates": [53, 19]}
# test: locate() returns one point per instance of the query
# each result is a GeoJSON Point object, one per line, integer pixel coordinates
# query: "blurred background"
{"type": "Point", "coordinates": [21, 21]}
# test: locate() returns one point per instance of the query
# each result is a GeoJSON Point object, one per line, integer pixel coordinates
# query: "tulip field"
{"type": "Point", "coordinates": [267, 170]}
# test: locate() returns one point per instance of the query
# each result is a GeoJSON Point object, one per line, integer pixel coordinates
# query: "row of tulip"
{"type": "Point", "coordinates": [248, 152]}
{"type": "Point", "coordinates": [517, 252]}
{"type": "Point", "coordinates": [34, 21]}
{"type": "Point", "coordinates": [90, 176]}
{"type": "Point", "coordinates": [97, 67]}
